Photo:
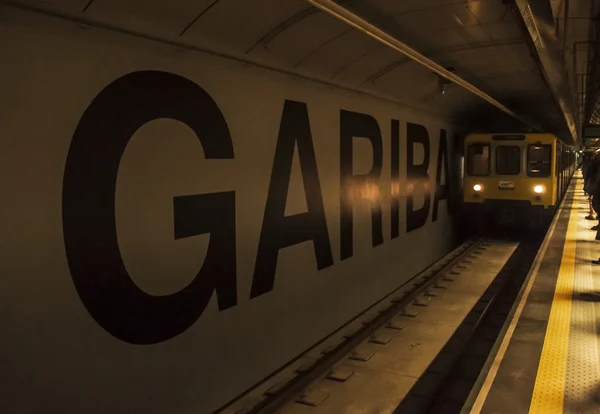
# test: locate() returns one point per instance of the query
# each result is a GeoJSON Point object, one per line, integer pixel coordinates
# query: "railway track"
{"type": "Point", "coordinates": [419, 291]}
{"type": "Point", "coordinates": [465, 354]}
{"type": "Point", "coordinates": [446, 383]}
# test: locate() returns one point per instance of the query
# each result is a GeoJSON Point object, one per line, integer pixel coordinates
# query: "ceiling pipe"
{"type": "Point", "coordinates": [565, 26]}
{"type": "Point", "coordinates": [578, 96]}
{"type": "Point", "coordinates": [352, 19]}
{"type": "Point", "coordinates": [537, 18]}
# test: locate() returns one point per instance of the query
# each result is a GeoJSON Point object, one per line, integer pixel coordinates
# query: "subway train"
{"type": "Point", "coordinates": [515, 179]}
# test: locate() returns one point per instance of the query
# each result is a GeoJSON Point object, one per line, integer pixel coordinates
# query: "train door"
{"type": "Point", "coordinates": [559, 182]}
{"type": "Point", "coordinates": [509, 164]}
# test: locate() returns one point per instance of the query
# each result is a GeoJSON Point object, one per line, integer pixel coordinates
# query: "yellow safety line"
{"type": "Point", "coordinates": [495, 365]}
{"type": "Point", "coordinates": [549, 390]}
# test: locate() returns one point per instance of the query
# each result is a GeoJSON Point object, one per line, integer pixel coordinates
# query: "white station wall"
{"type": "Point", "coordinates": [76, 336]}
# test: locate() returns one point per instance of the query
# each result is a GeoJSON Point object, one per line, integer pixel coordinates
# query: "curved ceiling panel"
{"type": "Point", "coordinates": [362, 72]}
{"type": "Point", "coordinates": [160, 18]}
{"type": "Point", "coordinates": [410, 83]}
{"type": "Point", "coordinates": [65, 5]}
{"type": "Point", "coordinates": [481, 39]}
{"type": "Point", "coordinates": [331, 58]}
{"type": "Point", "coordinates": [301, 38]}
{"type": "Point", "coordinates": [239, 25]}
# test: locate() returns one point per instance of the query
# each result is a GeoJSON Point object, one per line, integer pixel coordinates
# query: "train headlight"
{"type": "Point", "coordinates": [477, 187]}
{"type": "Point", "coordinates": [538, 189]}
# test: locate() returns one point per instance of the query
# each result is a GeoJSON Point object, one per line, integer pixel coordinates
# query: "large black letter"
{"type": "Point", "coordinates": [395, 181]}
{"type": "Point", "coordinates": [417, 176]}
{"type": "Point", "coordinates": [441, 191]}
{"type": "Point", "coordinates": [279, 230]}
{"type": "Point", "coordinates": [353, 124]}
{"type": "Point", "coordinates": [90, 233]}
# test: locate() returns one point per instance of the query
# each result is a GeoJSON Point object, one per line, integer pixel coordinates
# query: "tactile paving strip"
{"type": "Point", "coordinates": [582, 362]}
{"type": "Point", "coordinates": [479, 394]}
{"type": "Point", "coordinates": [548, 393]}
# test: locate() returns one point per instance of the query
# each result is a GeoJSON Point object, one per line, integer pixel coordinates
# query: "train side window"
{"type": "Point", "coordinates": [478, 159]}
{"type": "Point", "coordinates": [539, 160]}
{"type": "Point", "coordinates": [508, 160]}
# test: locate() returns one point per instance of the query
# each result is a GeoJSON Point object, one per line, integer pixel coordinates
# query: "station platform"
{"type": "Point", "coordinates": [546, 360]}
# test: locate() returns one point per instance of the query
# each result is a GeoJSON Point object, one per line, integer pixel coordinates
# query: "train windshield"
{"type": "Point", "coordinates": [508, 160]}
{"type": "Point", "coordinates": [539, 160]}
{"type": "Point", "coordinates": [478, 159]}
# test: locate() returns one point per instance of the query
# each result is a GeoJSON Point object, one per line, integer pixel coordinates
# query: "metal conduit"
{"type": "Point", "coordinates": [539, 25]}
{"type": "Point", "coordinates": [348, 17]}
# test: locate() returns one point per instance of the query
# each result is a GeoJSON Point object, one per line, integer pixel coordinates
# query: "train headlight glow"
{"type": "Point", "coordinates": [477, 187]}
{"type": "Point", "coordinates": [538, 189]}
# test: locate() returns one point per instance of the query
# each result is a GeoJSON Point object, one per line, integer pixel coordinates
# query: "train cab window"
{"type": "Point", "coordinates": [478, 159]}
{"type": "Point", "coordinates": [508, 160]}
{"type": "Point", "coordinates": [539, 160]}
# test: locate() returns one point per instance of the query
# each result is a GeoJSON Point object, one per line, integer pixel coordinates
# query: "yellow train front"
{"type": "Point", "coordinates": [515, 178]}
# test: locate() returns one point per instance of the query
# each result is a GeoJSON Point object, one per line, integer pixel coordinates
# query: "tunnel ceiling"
{"type": "Point", "coordinates": [483, 40]}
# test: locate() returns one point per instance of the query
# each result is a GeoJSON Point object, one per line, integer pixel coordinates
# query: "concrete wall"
{"type": "Point", "coordinates": [126, 286]}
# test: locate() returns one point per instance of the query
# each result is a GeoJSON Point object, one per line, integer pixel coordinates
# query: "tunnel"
{"type": "Point", "coordinates": [196, 194]}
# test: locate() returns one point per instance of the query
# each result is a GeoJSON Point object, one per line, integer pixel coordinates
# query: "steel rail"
{"type": "Point", "coordinates": [422, 284]}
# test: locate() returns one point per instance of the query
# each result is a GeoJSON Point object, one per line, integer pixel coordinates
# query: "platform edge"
{"type": "Point", "coordinates": [482, 386]}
